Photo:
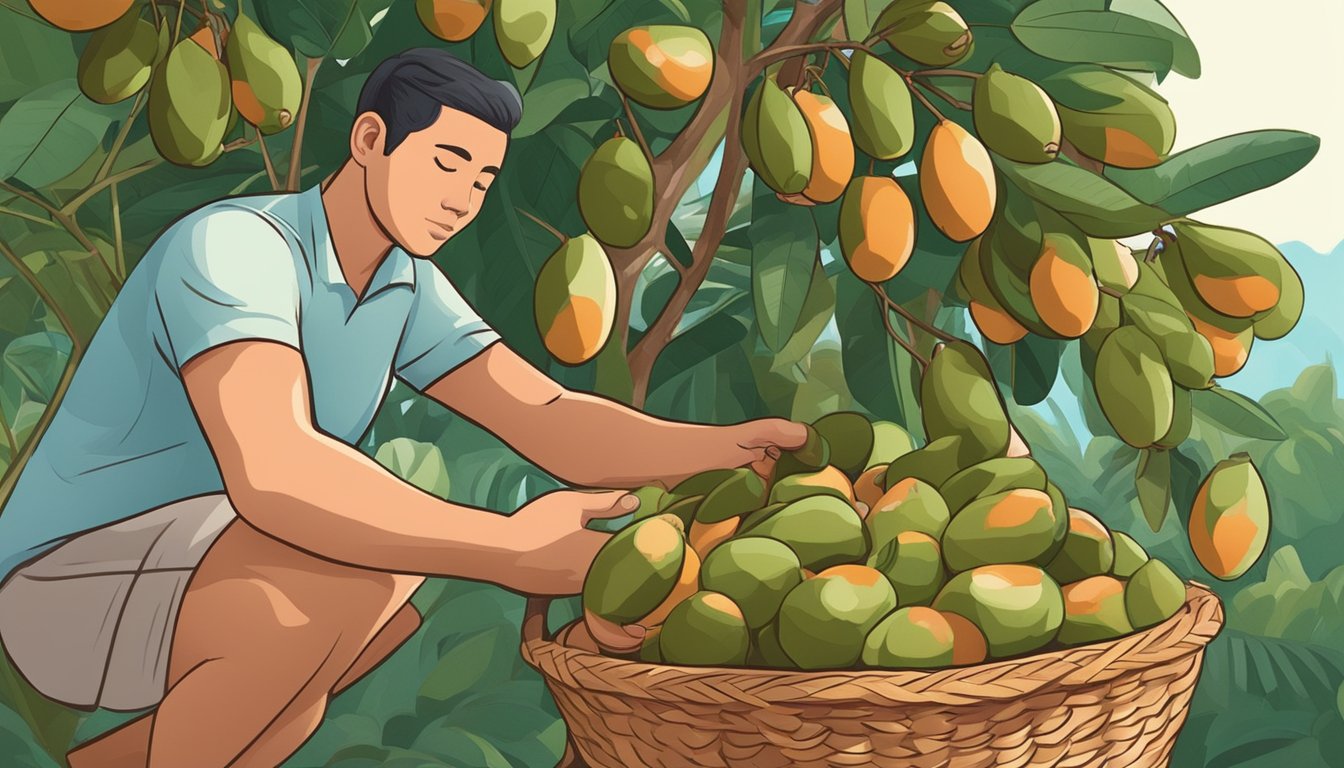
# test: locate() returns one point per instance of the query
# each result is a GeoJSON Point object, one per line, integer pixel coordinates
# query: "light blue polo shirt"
{"type": "Point", "coordinates": [125, 440]}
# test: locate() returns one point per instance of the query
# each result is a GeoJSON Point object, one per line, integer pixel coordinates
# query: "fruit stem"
{"type": "Point", "coordinates": [177, 26]}
{"type": "Point", "coordinates": [634, 128]}
{"type": "Point", "coordinates": [910, 81]}
{"type": "Point", "coordinates": [945, 96]}
{"type": "Point", "coordinates": [1109, 291]}
{"type": "Point", "coordinates": [295, 153]}
{"type": "Point", "coordinates": [118, 247]}
{"type": "Point", "coordinates": [883, 305]}
{"type": "Point", "coordinates": [117, 143]}
{"type": "Point", "coordinates": [928, 328]}
{"type": "Point", "coordinates": [1151, 255]}
{"type": "Point", "coordinates": [266, 160]}
{"type": "Point", "coordinates": [947, 73]}
{"type": "Point", "coordinates": [557, 233]}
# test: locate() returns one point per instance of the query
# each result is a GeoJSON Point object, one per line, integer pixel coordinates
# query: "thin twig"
{"type": "Point", "coordinates": [947, 73]}
{"type": "Point", "coordinates": [118, 248]}
{"type": "Point", "coordinates": [634, 128]}
{"type": "Point", "coordinates": [883, 304]}
{"type": "Point", "coordinates": [922, 98]}
{"type": "Point", "coordinates": [295, 152]}
{"type": "Point", "coordinates": [68, 221]}
{"type": "Point", "coordinates": [177, 27]}
{"type": "Point", "coordinates": [557, 233]}
{"type": "Point", "coordinates": [29, 217]}
{"type": "Point", "coordinates": [83, 197]}
{"type": "Point", "coordinates": [771, 55]}
{"type": "Point", "coordinates": [266, 160]}
{"type": "Point", "coordinates": [1109, 291]}
{"type": "Point", "coordinates": [945, 96]}
{"type": "Point", "coordinates": [240, 143]}
{"type": "Point", "coordinates": [112, 153]}
{"type": "Point", "coordinates": [42, 293]}
{"type": "Point", "coordinates": [937, 333]}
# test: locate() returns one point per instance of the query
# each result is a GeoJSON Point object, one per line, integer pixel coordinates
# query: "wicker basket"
{"type": "Point", "coordinates": [1119, 703]}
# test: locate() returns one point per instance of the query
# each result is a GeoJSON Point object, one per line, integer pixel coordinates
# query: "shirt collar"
{"type": "Point", "coordinates": [397, 268]}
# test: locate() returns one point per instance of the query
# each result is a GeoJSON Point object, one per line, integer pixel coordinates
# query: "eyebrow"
{"type": "Point", "coordinates": [465, 155]}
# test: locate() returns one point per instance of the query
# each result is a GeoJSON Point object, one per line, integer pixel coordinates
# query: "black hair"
{"type": "Point", "coordinates": [407, 91]}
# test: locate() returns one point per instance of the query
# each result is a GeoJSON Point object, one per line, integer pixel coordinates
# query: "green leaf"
{"type": "Point", "coordinates": [1152, 481]}
{"type": "Point", "coordinates": [50, 132]}
{"type": "Point", "coordinates": [559, 83]}
{"type": "Point", "coordinates": [783, 254]}
{"type": "Point", "coordinates": [1237, 414]}
{"type": "Point", "coordinates": [860, 15]}
{"type": "Point", "coordinates": [420, 464]}
{"type": "Point", "coordinates": [318, 28]}
{"type": "Point", "coordinates": [874, 365]}
{"type": "Point", "coordinates": [677, 247]}
{"type": "Point", "coordinates": [1029, 367]}
{"type": "Point", "coordinates": [38, 360]}
{"type": "Point", "coordinates": [1127, 34]}
{"type": "Point", "coordinates": [466, 749]}
{"type": "Point", "coordinates": [462, 667]}
{"type": "Point", "coordinates": [818, 308]}
{"type": "Point", "coordinates": [31, 50]}
{"type": "Point", "coordinates": [1218, 170]}
{"type": "Point", "coordinates": [1093, 203]}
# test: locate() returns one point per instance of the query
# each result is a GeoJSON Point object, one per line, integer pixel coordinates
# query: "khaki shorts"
{"type": "Point", "coordinates": [90, 623]}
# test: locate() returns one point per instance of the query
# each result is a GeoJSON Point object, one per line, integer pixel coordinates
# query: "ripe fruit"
{"type": "Point", "coordinates": [1229, 521]}
{"type": "Point", "coordinates": [1235, 272]}
{"type": "Point", "coordinates": [1153, 594]}
{"type": "Point", "coordinates": [1094, 609]}
{"type": "Point", "coordinates": [1231, 349]}
{"type": "Point", "coordinates": [913, 638]}
{"type": "Point", "coordinates": [266, 83]}
{"type": "Point", "coordinates": [1015, 117]}
{"type": "Point", "coordinates": [756, 573]}
{"type": "Point", "coordinates": [832, 148]}
{"type": "Point", "coordinates": [776, 139]}
{"type": "Point", "coordinates": [995, 324]}
{"type": "Point", "coordinates": [523, 28]}
{"type": "Point", "coordinates": [452, 20]}
{"type": "Point", "coordinates": [688, 581]}
{"type": "Point", "coordinates": [913, 563]}
{"type": "Point", "coordinates": [1063, 288]}
{"type": "Point", "coordinates": [827, 480]}
{"type": "Point", "coordinates": [706, 629]}
{"type": "Point", "coordinates": [661, 66]}
{"type": "Point", "coordinates": [877, 228]}
{"type": "Point", "coordinates": [1087, 551]}
{"type": "Point", "coordinates": [1134, 387]}
{"type": "Point", "coordinates": [890, 442]}
{"type": "Point", "coordinates": [884, 116]}
{"type": "Point", "coordinates": [956, 178]}
{"type": "Point", "coordinates": [189, 105]}
{"type": "Point", "coordinates": [118, 60]}
{"type": "Point", "coordinates": [575, 301]}
{"type": "Point", "coordinates": [990, 477]}
{"type": "Point", "coordinates": [81, 15]}
{"type": "Point", "coordinates": [824, 621]}
{"type": "Point", "coordinates": [704, 537]}
{"type": "Point", "coordinates": [909, 505]}
{"type": "Point", "coordinates": [1015, 526]}
{"type": "Point", "coordinates": [1275, 323]}
{"type": "Point", "coordinates": [822, 530]}
{"type": "Point", "coordinates": [1018, 607]}
{"type": "Point", "coordinates": [616, 193]}
{"type": "Point", "coordinates": [868, 488]}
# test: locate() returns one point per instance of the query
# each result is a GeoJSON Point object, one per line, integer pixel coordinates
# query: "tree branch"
{"type": "Point", "coordinates": [772, 54]}
{"type": "Point", "coordinates": [882, 307]}
{"type": "Point", "coordinates": [562, 237]}
{"type": "Point", "coordinates": [928, 328]}
{"type": "Point", "coordinates": [296, 151]}
{"type": "Point", "coordinates": [83, 197]}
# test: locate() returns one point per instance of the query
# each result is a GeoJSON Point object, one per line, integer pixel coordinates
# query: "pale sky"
{"type": "Point", "coordinates": [1269, 65]}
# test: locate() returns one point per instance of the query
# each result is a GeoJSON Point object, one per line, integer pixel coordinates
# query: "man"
{"type": "Point", "coordinates": [196, 533]}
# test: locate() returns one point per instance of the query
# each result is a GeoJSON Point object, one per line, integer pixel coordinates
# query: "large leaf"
{"type": "Point", "coordinates": [860, 15]}
{"type": "Point", "coordinates": [38, 360]}
{"type": "Point", "coordinates": [1092, 203]}
{"type": "Point", "coordinates": [420, 464]}
{"type": "Point", "coordinates": [1029, 367]}
{"type": "Point", "coordinates": [1219, 170]}
{"type": "Point", "coordinates": [1128, 34]}
{"type": "Point", "coordinates": [560, 82]}
{"type": "Point", "coordinates": [1235, 413]}
{"type": "Point", "coordinates": [783, 254]}
{"type": "Point", "coordinates": [317, 28]}
{"type": "Point", "coordinates": [462, 666]}
{"type": "Point", "coordinates": [717, 333]}
{"type": "Point", "coordinates": [31, 51]}
{"type": "Point", "coordinates": [879, 372]}
{"type": "Point", "coordinates": [1152, 481]}
{"type": "Point", "coordinates": [49, 133]}
{"type": "Point", "coordinates": [818, 308]}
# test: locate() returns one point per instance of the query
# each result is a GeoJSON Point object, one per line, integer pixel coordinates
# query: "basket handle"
{"type": "Point", "coordinates": [534, 619]}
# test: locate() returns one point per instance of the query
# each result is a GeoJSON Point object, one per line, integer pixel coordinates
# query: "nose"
{"type": "Point", "coordinates": [458, 210]}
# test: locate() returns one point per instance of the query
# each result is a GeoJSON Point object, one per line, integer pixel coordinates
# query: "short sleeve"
{"type": "Point", "coordinates": [228, 275]}
{"type": "Point", "coordinates": [442, 331]}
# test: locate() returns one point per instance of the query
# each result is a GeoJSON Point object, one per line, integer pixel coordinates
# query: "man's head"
{"type": "Point", "coordinates": [430, 133]}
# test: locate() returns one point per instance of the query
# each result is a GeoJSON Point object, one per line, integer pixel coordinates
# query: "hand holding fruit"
{"type": "Point", "coordinates": [554, 548]}
{"type": "Point", "coordinates": [763, 440]}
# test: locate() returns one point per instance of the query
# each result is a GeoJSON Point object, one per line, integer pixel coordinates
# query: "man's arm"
{"type": "Point", "coordinates": [591, 441]}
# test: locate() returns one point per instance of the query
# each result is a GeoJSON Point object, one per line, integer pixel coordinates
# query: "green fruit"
{"type": "Point", "coordinates": [575, 301]}
{"type": "Point", "coordinates": [1229, 521]}
{"type": "Point", "coordinates": [913, 563]}
{"type": "Point", "coordinates": [814, 454]}
{"type": "Point", "coordinates": [189, 105]}
{"type": "Point", "coordinates": [1087, 551]}
{"type": "Point", "coordinates": [1187, 354]}
{"type": "Point", "coordinates": [1059, 506]}
{"type": "Point", "coordinates": [824, 621]}
{"type": "Point", "coordinates": [705, 629]}
{"type": "Point", "coordinates": [701, 483]}
{"type": "Point", "coordinates": [740, 493]}
{"type": "Point", "coordinates": [768, 652]}
{"type": "Point", "coordinates": [118, 59]}
{"type": "Point", "coordinates": [890, 442]}
{"type": "Point", "coordinates": [1113, 264]}
{"type": "Point", "coordinates": [616, 193]}
{"type": "Point", "coordinates": [777, 140]}
{"type": "Point", "coordinates": [683, 509]}
{"type": "Point", "coordinates": [930, 33]}
{"type": "Point", "coordinates": [911, 504]}
{"type": "Point", "coordinates": [1107, 320]}
{"type": "Point", "coordinates": [849, 436]}
{"type": "Point", "coordinates": [1134, 387]}
{"type": "Point", "coordinates": [937, 461]}
{"type": "Point", "coordinates": [635, 570]}
{"type": "Point", "coordinates": [648, 649]}
{"type": "Point", "coordinates": [1275, 323]}
{"type": "Point", "coordinates": [1170, 265]}
{"type": "Point", "coordinates": [1234, 272]}
{"type": "Point", "coordinates": [1018, 607]}
{"type": "Point", "coordinates": [523, 29]}
{"type": "Point", "coordinates": [755, 517]}
{"type": "Point", "coordinates": [661, 66]}
{"type": "Point", "coordinates": [992, 476]}
{"type": "Point", "coordinates": [959, 398]}
{"type": "Point", "coordinates": [1111, 117]}
{"type": "Point", "coordinates": [822, 530]}
{"type": "Point", "coordinates": [1008, 281]}
{"type": "Point", "coordinates": [1015, 526]}
{"type": "Point", "coordinates": [884, 115]}
{"type": "Point", "coordinates": [1129, 555]}
{"type": "Point", "coordinates": [266, 83]}
{"type": "Point", "coordinates": [829, 480]}
{"type": "Point", "coordinates": [755, 572]}
{"type": "Point", "coordinates": [1153, 594]}
{"type": "Point", "coordinates": [1014, 117]}
{"type": "Point", "coordinates": [910, 638]}
{"type": "Point", "coordinates": [1182, 419]}
{"type": "Point", "coordinates": [1094, 610]}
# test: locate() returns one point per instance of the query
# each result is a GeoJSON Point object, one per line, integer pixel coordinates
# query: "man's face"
{"type": "Point", "coordinates": [434, 182]}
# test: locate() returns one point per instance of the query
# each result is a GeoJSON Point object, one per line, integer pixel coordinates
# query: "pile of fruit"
{"type": "Point", "coordinates": [864, 551]}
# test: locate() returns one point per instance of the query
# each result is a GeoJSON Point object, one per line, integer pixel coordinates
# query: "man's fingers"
{"type": "Point", "coordinates": [612, 636]}
{"type": "Point", "coordinates": [608, 504]}
{"type": "Point", "coordinates": [783, 433]}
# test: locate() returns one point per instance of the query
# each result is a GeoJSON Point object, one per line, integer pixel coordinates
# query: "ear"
{"type": "Point", "coordinates": [367, 137]}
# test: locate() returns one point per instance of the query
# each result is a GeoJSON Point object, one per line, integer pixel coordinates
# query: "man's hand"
{"type": "Point", "coordinates": [763, 440]}
{"type": "Point", "coordinates": [554, 547]}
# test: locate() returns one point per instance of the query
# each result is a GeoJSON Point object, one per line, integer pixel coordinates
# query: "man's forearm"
{"type": "Point", "coordinates": [328, 498]}
{"type": "Point", "coordinates": [603, 443]}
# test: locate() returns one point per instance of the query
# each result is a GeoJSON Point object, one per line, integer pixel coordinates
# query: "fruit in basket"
{"type": "Point", "coordinates": [739, 493]}
{"type": "Point", "coordinates": [1129, 555]}
{"type": "Point", "coordinates": [681, 508]}
{"type": "Point", "coordinates": [822, 530]}
{"type": "Point", "coordinates": [813, 455]}
{"type": "Point", "coordinates": [1153, 594]}
{"type": "Point", "coordinates": [766, 650]}
{"type": "Point", "coordinates": [868, 488]}
{"type": "Point", "coordinates": [909, 505]}
{"type": "Point", "coordinates": [1229, 521]}
{"type": "Point", "coordinates": [576, 635]}
{"type": "Point", "coordinates": [1011, 527]}
{"type": "Point", "coordinates": [913, 563]}
{"type": "Point", "coordinates": [890, 442]}
{"type": "Point", "coordinates": [827, 480]}
{"type": "Point", "coordinates": [824, 621]}
{"type": "Point", "coordinates": [755, 572]}
{"type": "Point", "coordinates": [636, 570]}
{"type": "Point", "coordinates": [915, 637]}
{"type": "Point", "coordinates": [706, 629]}
{"type": "Point", "coordinates": [936, 462]}
{"type": "Point", "coordinates": [1087, 551]}
{"type": "Point", "coordinates": [752, 519]}
{"type": "Point", "coordinates": [1060, 507]}
{"type": "Point", "coordinates": [648, 649]}
{"type": "Point", "coordinates": [850, 438]}
{"type": "Point", "coordinates": [1018, 607]}
{"type": "Point", "coordinates": [704, 537]}
{"type": "Point", "coordinates": [989, 477]}
{"type": "Point", "coordinates": [1094, 610]}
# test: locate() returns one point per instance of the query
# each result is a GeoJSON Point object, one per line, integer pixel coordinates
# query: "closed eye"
{"type": "Point", "coordinates": [480, 186]}
{"type": "Point", "coordinates": [444, 167]}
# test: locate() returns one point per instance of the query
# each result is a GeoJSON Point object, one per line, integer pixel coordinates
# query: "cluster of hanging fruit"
{"type": "Point", "coordinates": [864, 551]}
{"type": "Point", "coordinates": [196, 90]}
{"type": "Point", "coordinates": [523, 28]}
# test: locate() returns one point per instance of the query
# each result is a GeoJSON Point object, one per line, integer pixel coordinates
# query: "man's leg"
{"type": "Point", "coordinates": [127, 746]}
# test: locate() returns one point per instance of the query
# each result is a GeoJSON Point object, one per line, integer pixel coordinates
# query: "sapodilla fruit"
{"type": "Point", "coordinates": [189, 105]}
{"type": "Point", "coordinates": [1015, 117]}
{"type": "Point", "coordinates": [1234, 272]}
{"type": "Point", "coordinates": [452, 20]}
{"type": "Point", "coordinates": [956, 179]}
{"type": "Point", "coordinates": [877, 228]}
{"type": "Point", "coordinates": [1229, 521]}
{"type": "Point", "coordinates": [575, 302]}
{"type": "Point", "coordinates": [616, 192]}
{"type": "Point", "coordinates": [81, 15]}
{"type": "Point", "coordinates": [832, 147]}
{"type": "Point", "coordinates": [266, 83]}
{"type": "Point", "coordinates": [884, 115]}
{"type": "Point", "coordinates": [118, 59]}
{"type": "Point", "coordinates": [523, 28]}
{"type": "Point", "coordinates": [1063, 288]}
{"type": "Point", "coordinates": [662, 66]}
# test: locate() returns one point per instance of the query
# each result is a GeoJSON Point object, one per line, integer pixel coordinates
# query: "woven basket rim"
{"type": "Point", "coordinates": [1198, 621]}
